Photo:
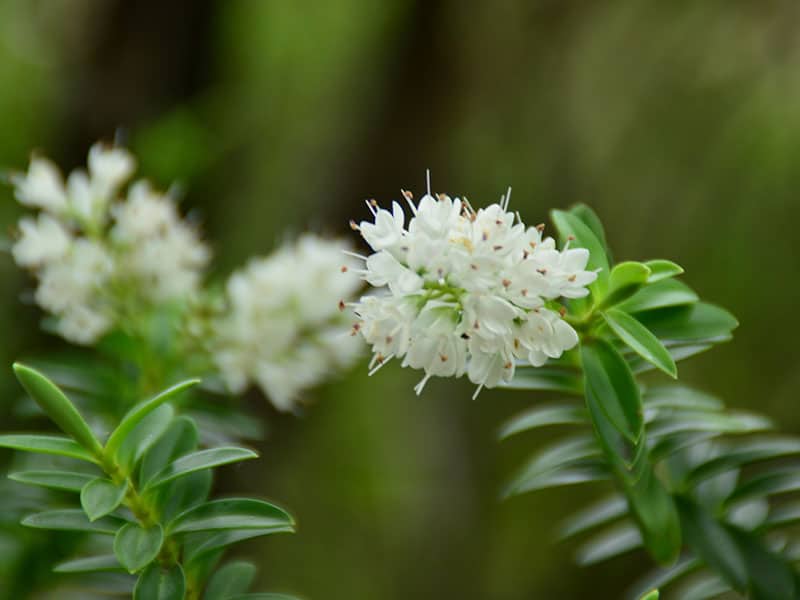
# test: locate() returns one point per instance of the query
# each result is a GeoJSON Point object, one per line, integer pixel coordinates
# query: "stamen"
{"type": "Point", "coordinates": [540, 227]}
{"type": "Point", "coordinates": [543, 271]}
{"type": "Point", "coordinates": [343, 269]}
{"type": "Point", "coordinates": [562, 311]}
{"type": "Point", "coordinates": [342, 305]}
{"type": "Point", "coordinates": [506, 283]}
{"type": "Point", "coordinates": [572, 277]}
{"type": "Point", "coordinates": [354, 226]}
{"type": "Point", "coordinates": [443, 357]}
{"type": "Point", "coordinates": [496, 248]}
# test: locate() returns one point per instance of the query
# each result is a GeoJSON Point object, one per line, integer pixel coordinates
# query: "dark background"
{"type": "Point", "coordinates": [679, 122]}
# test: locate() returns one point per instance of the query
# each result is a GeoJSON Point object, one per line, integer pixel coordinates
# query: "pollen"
{"type": "Point", "coordinates": [506, 283]}
{"type": "Point", "coordinates": [572, 278]}
{"type": "Point", "coordinates": [344, 269]}
{"type": "Point", "coordinates": [443, 357]}
{"type": "Point", "coordinates": [407, 195]}
{"type": "Point", "coordinates": [341, 305]}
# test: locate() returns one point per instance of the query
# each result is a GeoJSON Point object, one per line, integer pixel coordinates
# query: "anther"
{"type": "Point", "coordinates": [373, 202]}
{"type": "Point", "coordinates": [524, 293]}
{"type": "Point", "coordinates": [464, 336]}
{"type": "Point", "coordinates": [572, 278]}
{"type": "Point", "coordinates": [474, 267]}
{"type": "Point", "coordinates": [506, 283]}
{"type": "Point", "coordinates": [508, 365]}
{"type": "Point", "coordinates": [353, 226]}
{"type": "Point", "coordinates": [485, 236]}
{"type": "Point", "coordinates": [496, 248]}
{"type": "Point", "coordinates": [389, 339]}
{"type": "Point", "coordinates": [516, 344]}
{"type": "Point", "coordinates": [562, 311]}
{"type": "Point", "coordinates": [343, 269]}
{"type": "Point", "coordinates": [443, 357]}
{"type": "Point", "coordinates": [476, 325]}
{"type": "Point", "coordinates": [543, 271]}
{"type": "Point", "coordinates": [441, 197]}
{"type": "Point", "coordinates": [525, 254]}
{"type": "Point", "coordinates": [571, 238]}
{"type": "Point", "coordinates": [407, 195]}
{"type": "Point", "coordinates": [356, 328]}
{"type": "Point", "coordinates": [540, 227]}
{"type": "Point", "coordinates": [341, 305]}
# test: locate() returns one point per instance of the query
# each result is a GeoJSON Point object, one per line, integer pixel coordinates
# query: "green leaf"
{"type": "Point", "coordinates": [71, 519]}
{"type": "Point", "coordinates": [652, 595]}
{"type": "Point", "coordinates": [713, 543]}
{"type": "Point", "coordinates": [662, 269]}
{"type": "Point", "coordinates": [89, 564]}
{"type": "Point", "coordinates": [610, 383]}
{"type": "Point", "coordinates": [140, 411]}
{"type": "Point", "coordinates": [46, 444]}
{"type": "Point", "coordinates": [144, 435]}
{"type": "Point", "coordinates": [744, 452]}
{"type": "Point", "coordinates": [136, 546]}
{"type": "Point", "coordinates": [58, 408]}
{"type": "Point", "coordinates": [181, 494]}
{"type": "Point", "coordinates": [230, 580]}
{"type": "Point", "coordinates": [198, 461]}
{"type": "Point", "coordinates": [571, 226]}
{"type": "Point", "coordinates": [640, 340]}
{"type": "Point", "coordinates": [102, 496]}
{"type": "Point", "coordinates": [205, 544]}
{"type": "Point", "coordinates": [625, 280]}
{"type": "Point", "coordinates": [657, 516]}
{"type": "Point", "coordinates": [599, 513]}
{"type": "Point", "coordinates": [233, 513]}
{"type": "Point", "coordinates": [179, 438]}
{"type": "Point", "coordinates": [608, 544]}
{"type": "Point", "coordinates": [157, 583]}
{"type": "Point", "coordinates": [592, 221]}
{"type": "Point", "coordinates": [540, 416]}
{"type": "Point", "coordinates": [770, 576]}
{"type": "Point", "coordinates": [545, 468]}
{"type": "Point", "coordinates": [698, 321]}
{"type": "Point", "coordinates": [668, 292]}
{"type": "Point", "coordinates": [547, 379]}
{"type": "Point", "coordinates": [57, 480]}
{"type": "Point", "coordinates": [672, 396]}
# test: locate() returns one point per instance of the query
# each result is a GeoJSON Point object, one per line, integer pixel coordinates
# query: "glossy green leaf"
{"type": "Point", "coordinates": [545, 468]}
{"type": "Point", "coordinates": [651, 595]}
{"type": "Point", "coordinates": [592, 221]}
{"type": "Point", "coordinates": [71, 519]}
{"type": "Point", "coordinates": [232, 579]}
{"type": "Point", "coordinates": [58, 407]}
{"type": "Point", "coordinates": [46, 444]}
{"type": "Point", "coordinates": [658, 518]}
{"type": "Point", "coordinates": [597, 514]}
{"type": "Point", "coordinates": [662, 269]}
{"type": "Point", "coordinates": [610, 383]}
{"type": "Point", "coordinates": [179, 438]}
{"type": "Point", "coordinates": [89, 564]}
{"type": "Point", "coordinates": [744, 452]}
{"type": "Point", "coordinates": [146, 433]}
{"type": "Point", "coordinates": [546, 379]}
{"type": "Point", "coordinates": [233, 513]}
{"type": "Point", "coordinates": [782, 481]}
{"type": "Point", "coordinates": [626, 279]}
{"type": "Point", "coordinates": [640, 340]}
{"type": "Point", "coordinates": [666, 576]}
{"type": "Point", "coordinates": [102, 496]}
{"type": "Point", "coordinates": [674, 396]}
{"type": "Point", "coordinates": [199, 545]}
{"type": "Point", "coordinates": [699, 321]}
{"type": "Point", "coordinates": [136, 547]}
{"type": "Point", "coordinates": [181, 494]}
{"type": "Point", "coordinates": [157, 583]}
{"type": "Point", "coordinates": [608, 544]}
{"type": "Point", "coordinates": [140, 411]}
{"type": "Point", "coordinates": [57, 480]}
{"type": "Point", "coordinates": [713, 543]}
{"type": "Point", "coordinates": [571, 226]}
{"type": "Point", "coordinates": [198, 461]}
{"type": "Point", "coordinates": [541, 416]}
{"type": "Point", "coordinates": [662, 294]}
{"type": "Point", "coordinates": [770, 576]}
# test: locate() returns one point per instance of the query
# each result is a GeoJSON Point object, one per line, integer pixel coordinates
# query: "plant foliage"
{"type": "Point", "coordinates": [144, 497]}
{"type": "Point", "coordinates": [699, 486]}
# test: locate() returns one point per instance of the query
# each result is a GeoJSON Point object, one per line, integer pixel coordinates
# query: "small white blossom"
{"type": "Point", "coordinates": [42, 186]}
{"type": "Point", "coordinates": [464, 291]}
{"type": "Point", "coordinates": [283, 328]}
{"type": "Point", "coordinates": [40, 241]}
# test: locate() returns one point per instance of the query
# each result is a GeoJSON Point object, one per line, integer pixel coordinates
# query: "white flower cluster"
{"type": "Point", "coordinates": [282, 327]}
{"type": "Point", "coordinates": [89, 248]}
{"type": "Point", "coordinates": [465, 291]}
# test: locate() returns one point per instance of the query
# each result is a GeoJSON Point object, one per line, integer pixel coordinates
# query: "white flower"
{"type": "Point", "coordinates": [42, 187]}
{"type": "Point", "coordinates": [40, 241]}
{"type": "Point", "coordinates": [95, 251]}
{"type": "Point", "coordinates": [283, 328]}
{"type": "Point", "coordinates": [109, 167]}
{"type": "Point", "coordinates": [465, 291]}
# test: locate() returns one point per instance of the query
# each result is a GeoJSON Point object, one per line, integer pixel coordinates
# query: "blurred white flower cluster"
{"type": "Point", "coordinates": [465, 291]}
{"type": "Point", "coordinates": [283, 328]}
{"type": "Point", "coordinates": [92, 249]}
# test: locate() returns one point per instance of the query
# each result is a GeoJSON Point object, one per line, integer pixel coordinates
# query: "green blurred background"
{"type": "Point", "coordinates": [679, 122]}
